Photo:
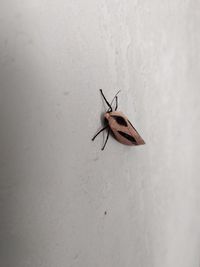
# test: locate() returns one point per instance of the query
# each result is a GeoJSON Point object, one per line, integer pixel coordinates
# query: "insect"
{"type": "Point", "coordinates": [119, 125]}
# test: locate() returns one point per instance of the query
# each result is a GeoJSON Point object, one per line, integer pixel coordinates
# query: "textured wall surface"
{"type": "Point", "coordinates": [63, 201]}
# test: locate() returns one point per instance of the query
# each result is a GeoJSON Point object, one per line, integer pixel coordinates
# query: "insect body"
{"type": "Point", "coordinates": [117, 123]}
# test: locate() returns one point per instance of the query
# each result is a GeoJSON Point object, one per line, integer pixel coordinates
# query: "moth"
{"type": "Point", "coordinates": [119, 125]}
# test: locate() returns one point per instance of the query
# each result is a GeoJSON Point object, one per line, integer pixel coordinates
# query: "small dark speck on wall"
{"type": "Point", "coordinates": [105, 212]}
{"type": "Point", "coordinates": [76, 256]}
{"type": "Point", "coordinates": [66, 93]}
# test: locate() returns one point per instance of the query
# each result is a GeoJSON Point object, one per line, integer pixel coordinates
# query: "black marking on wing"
{"type": "Point", "coordinates": [127, 136]}
{"type": "Point", "coordinates": [120, 120]}
{"type": "Point", "coordinates": [132, 126]}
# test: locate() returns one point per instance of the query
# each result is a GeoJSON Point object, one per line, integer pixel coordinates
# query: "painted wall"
{"type": "Point", "coordinates": [63, 201]}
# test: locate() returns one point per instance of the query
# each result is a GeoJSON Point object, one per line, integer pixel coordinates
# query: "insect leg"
{"type": "Point", "coordinates": [106, 139]}
{"type": "Point", "coordinates": [99, 132]}
{"type": "Point", "coordinates": [106, 100]}
{"type": "Point", "coordinates": [116, 98]}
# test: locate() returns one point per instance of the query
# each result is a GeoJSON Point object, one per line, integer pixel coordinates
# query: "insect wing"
{"type": "Point", "coordinates": [124, 131]}
{"type": "Point", "coordinates": [133, 132]}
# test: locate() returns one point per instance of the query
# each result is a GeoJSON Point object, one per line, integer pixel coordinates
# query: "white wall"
{"type": "Point", "coordinates": [55, 183]}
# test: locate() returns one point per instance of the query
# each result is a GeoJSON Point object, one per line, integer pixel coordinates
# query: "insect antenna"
{"type": "Point", "coordinates": [115, 97]}
{"type": "Point", "coordinates": [116, 103]}
{"type": "Point", "coordinates": [109, 105]}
